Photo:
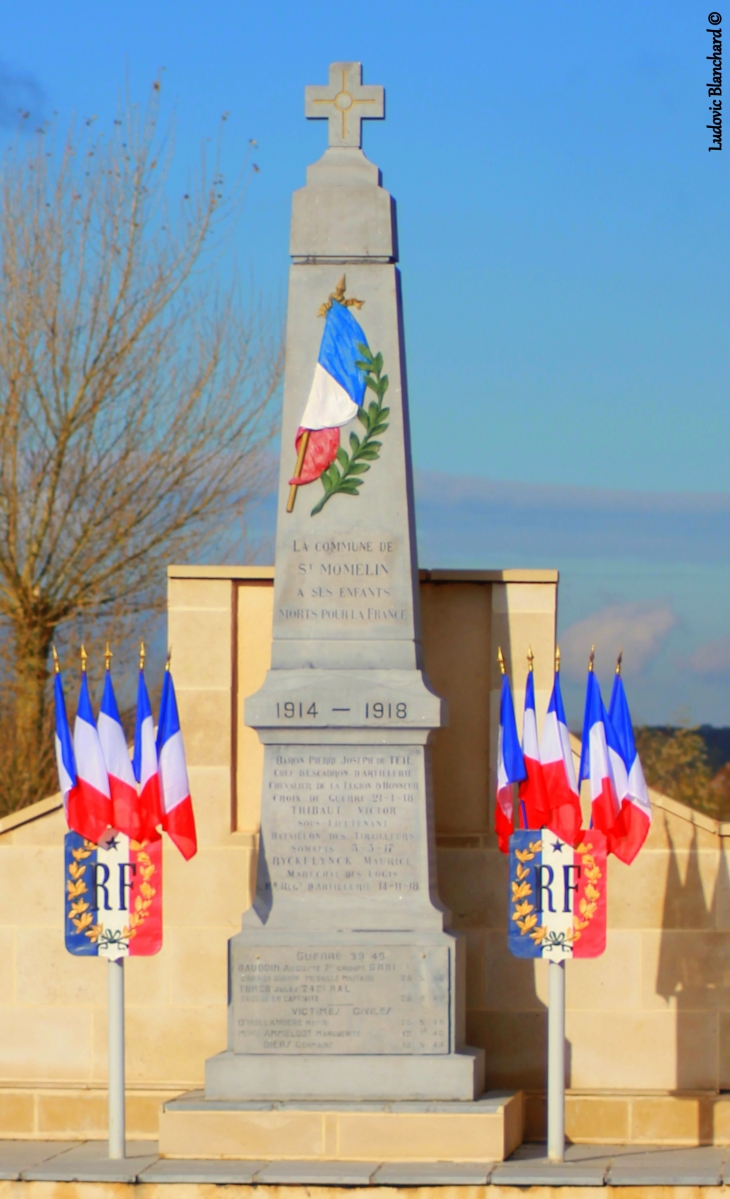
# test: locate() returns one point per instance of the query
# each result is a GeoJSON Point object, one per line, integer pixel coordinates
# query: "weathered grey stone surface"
{"type": "Point", "coordinates": [343, 1077]}
{"type": "Point", "coordinates": [344, 593]}
{"type": "Point", "coordinates": [345, 102]}
{"type": "Point", "coordinates": [17, 1156]}
{"type": "Point", "coordinates": [678, 1167]}
{"type": "Point", "coordinates": [186, 1170]}
{"type": "Point", "coordinates": [433, 1174]}
{"type": "Point", "coordinates": [343, 213]}
{"type": "Point", "coordinates": [198, 1101]}
{"type": "Point", "coordinates": [344, 999]}
{"type": "Point", "coordinates": [648, 1165]}
{"type": "Point", "coordinates": [541, 1172]}
{"type": "Point", "coordinates": [318, 1173]}
{"type": "Point", "coordinates": [344, 981]}
{"type": "Point", "coordinates": [89, 1162]}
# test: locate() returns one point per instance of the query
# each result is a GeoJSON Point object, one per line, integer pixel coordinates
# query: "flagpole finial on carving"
{"type": "Point", "coordinates": [591, 659]}
{"type": "Point", "coordinates": [56, 663]}
{"type": "Point", "coordinates": [500, 659]}
{"type": "Point", "coordinates": [338, 297]}
{"type": "Point", "coordinates": [142, 654]}
{"type": "Point", "coordinates": [619, 660]}
{"type": "Point", "coordinates": [108, 655]}
{"type": "Point", "coordinates": [84, 658]}
{"type": "Point", "coordinates": [557, 659]}
{"type": "Point", "coordinates": [530, 659]}
{"type": "Point", "coordinates": [169, 658]}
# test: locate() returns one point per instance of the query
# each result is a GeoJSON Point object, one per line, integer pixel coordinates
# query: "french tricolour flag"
{"type": "Point", "coordinates": [65, 760]}
{"type": "Point", "coordinates": [596, 762]}
{"type": "Point", "coordinates": [602, 762]}
{"type": "Point", "coordinates": [510, 767]}
{"type": "Point", "coordinates": [336, 394]}
{"type": "Point", "coordinates": [90, 810]}
{"type": "Point", "coordinates": [635, 816]}
{"type": "Point", "coordinates": [558, 770]}
{"type": "Point", "coordinates": [119, 768]}
{"type": "Point", "coordinates": [534, 802]}
{"type": "Point", "coordinates": [177, 807]}
{"type": "Point", "coordinates": [145, 765]}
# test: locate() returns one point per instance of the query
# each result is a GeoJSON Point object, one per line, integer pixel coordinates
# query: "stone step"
{"type": "Point", "coordinates": [487, 1129]}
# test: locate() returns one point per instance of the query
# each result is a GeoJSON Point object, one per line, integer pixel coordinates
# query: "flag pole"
{"type": "Point", "coordinates": [556, 1032]}
{"type": "Point", "coordinates": [115, 1020]}
{"type": "Point", "coordinates": [556, 1061]}
{"type": "Point", "coordinates": [117, 1131]}
{"type": "Point", "coordinates": [339, 296]}
{"type": "Point", "coordinates": [556, 1040]}
{"type": "Point", "coordinates": [298, 469]}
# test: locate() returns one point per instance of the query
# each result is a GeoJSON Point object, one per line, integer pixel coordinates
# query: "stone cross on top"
{"type": "Point", "coordinates": [345, 102]}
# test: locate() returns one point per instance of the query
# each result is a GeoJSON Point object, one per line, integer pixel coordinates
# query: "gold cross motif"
{"type": "Point", "coordinates": [339, 101]}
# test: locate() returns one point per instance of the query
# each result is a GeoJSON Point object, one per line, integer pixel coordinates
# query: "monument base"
{"type": "Point", "coordinates": [438, 1076]}
{"type": "Point", "coordinates": [486, 1129]}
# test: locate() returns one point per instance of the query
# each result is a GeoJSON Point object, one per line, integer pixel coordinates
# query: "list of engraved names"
{"type": "Point", "coordinates": [347, 582]}
{"type": "Point", "coordinates": [342, 819]}
{"type": "Point", "coordinates": [341, 999]}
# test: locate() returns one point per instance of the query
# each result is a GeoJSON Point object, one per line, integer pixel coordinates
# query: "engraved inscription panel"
{"type": "Point", "coordinates": [341, 999]}
{"type": "Point", "coordinates": [349, 585]}
{"type": "Point", "coordinates": [342, 820]}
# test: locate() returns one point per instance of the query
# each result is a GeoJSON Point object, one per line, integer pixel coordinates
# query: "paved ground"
{"type": "Point", "coordinates": [585, 1165]}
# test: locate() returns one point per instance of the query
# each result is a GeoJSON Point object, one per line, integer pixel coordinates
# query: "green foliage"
{"type": "Point", "coordinates": [344, 475]}
{"type": "Point", "coordinates": [676, 762]}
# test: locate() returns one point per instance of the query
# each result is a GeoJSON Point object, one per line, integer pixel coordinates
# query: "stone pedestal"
{"type": "Point", "coordinates": [484, 1130]}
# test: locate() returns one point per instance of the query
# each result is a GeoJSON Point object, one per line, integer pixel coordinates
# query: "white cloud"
{"type": "Point", "coordinates": [638, 628]}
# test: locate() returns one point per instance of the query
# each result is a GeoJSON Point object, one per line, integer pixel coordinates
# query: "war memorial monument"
{"type": "Point", "coordinates": [345, 981]}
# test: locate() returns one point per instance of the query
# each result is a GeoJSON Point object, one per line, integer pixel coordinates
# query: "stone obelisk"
{"type": "Point", "coordinates": [344, 983]}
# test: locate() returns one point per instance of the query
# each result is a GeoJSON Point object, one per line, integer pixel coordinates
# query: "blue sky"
{"type": "Point", "coordinates": [564, 250]}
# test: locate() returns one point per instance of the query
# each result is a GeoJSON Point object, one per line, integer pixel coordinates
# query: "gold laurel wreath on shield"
{"type": "Point", "coordinates": [79, 912]}
{"type": "Point", "coordinates": [523, 912]}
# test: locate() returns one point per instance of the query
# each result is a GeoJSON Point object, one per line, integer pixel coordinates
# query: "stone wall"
{"type": "Point", "coordinates": [647, 1020]}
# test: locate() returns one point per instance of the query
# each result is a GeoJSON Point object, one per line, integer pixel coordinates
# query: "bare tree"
{"type": "Point", "coordinates": [135, 396]}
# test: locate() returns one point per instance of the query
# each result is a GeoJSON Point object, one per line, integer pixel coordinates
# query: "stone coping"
{"type": "Point", "coordinates": [266, 573]}
{"type": "Point", "coordinates": [585, 1166]}
{"type": "Point", "coordinates": [195, 1101]}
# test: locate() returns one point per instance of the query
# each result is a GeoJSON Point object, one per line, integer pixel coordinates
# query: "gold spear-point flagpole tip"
{"type": "Point", "coordinates": [557, 659]}
{"type": "Point", "coordinates": [500, 659]}
{"type": "Point", "coordinates": [338, 296]}
{"type": "Point", "coordinates": [169, 656]}
{"type": "Point", "coordinates": [591, 658]}
{"type": "Point", "coordinates": [619, 660]}
{"type": "Point", "coordinates": [56, 663]}
{"type": "Point", "coordinates": [530, 658]}
{"type": "Point", "coordinates": [142, 654]}
{"type": "Point", "coordinates": [84, 658]}
{"type": "Point", "coordinates": [108, 655]}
